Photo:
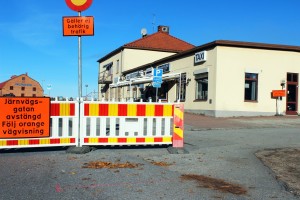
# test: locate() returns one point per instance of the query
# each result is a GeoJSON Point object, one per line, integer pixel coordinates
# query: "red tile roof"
{"type": "Point", "coordinates": [160, 41]}
{"type": "Point", "coordinates": [2, 84]}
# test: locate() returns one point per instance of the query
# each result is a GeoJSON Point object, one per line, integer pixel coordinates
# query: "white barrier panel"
{"type": "Point", "coordinates": [126, 123]}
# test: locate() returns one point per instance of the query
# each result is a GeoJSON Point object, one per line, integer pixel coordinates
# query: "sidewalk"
{"type": "Point", "coordinates": [196, 122]}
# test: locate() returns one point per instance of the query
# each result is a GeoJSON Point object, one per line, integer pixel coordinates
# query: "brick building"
{"type": "Point", "coordinates": [21, 86]}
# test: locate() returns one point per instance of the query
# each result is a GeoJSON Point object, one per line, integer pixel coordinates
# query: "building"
{"type": "Point", "coordinates": [147, 49]}
{"type": "Point", "coordinates": [21, 86]}
{"type": "Point", "coordinates": [221, 78]}
{"type": "Point", "coordinates": [230, 78]}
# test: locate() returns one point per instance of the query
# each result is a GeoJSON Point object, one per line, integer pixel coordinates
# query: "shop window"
{"type": "Point", "coordinates": [181, 94]}
{"type": "Point", "coordinates": [11, 87]}
{"type": "Point", "coordinates": [201, 86]}
{"type": "Point", "coordinates": [163, 91]}
{"type": "Point", "coordinates": [251, 82]}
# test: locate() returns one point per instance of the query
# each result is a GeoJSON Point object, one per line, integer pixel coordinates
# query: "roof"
{"type": "Point", "coordinates": [227, 43]}
{"type": "Point", "coordinates": [2, 84]}
{"type": "Point", "coordinates": [159, 41]}
{"type": "Point", "coordinates": [13, 77]}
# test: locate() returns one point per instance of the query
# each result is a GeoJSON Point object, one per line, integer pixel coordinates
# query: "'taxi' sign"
{"type": "Point", "coordinates": [79, 5]}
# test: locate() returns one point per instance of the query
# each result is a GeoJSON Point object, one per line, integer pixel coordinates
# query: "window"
{"type": "Point", "coordinates": [11, 87]}
{"type": "Point", "coordinates": [118, 66]}
{"type": "Point", "coordinates": [251, 81]}
{"type": "Point", "coordinates": [201, 86]}
{"type": "Point", "coordinates": [22, 95]}
{"type": "Point", "coordinates": [182, 86]}
{"type": "Point", "coordinates": [34, 89]}
{"type": "Point", "coordinates": [23, 78]}
{"type": "Point", "coordinates": [23, 88]}
{"type": "Point", "coordinates": [163, 91]}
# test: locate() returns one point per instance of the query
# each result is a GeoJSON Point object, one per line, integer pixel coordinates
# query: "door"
{"type": "Point", "coordinates": [292, 94]}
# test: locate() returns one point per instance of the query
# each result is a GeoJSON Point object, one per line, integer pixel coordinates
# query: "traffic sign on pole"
{"type": "Point", "coordinates": [79, 5]}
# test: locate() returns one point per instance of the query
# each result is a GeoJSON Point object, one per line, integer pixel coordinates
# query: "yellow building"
{"type": "Point", "coordinates": [147, 49]}
{"type": "Point", "coordinates": [230, 78]}
{"type": "Point", "coordinates": [221, 78]}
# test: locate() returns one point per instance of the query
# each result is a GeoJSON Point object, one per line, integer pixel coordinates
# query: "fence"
{"type": "Point", "coordinates": [109, 123]}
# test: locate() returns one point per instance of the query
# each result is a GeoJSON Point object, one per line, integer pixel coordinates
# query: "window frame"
{"type": "Point", "coordinates": [183, 85]}
{"type": "Point", "coordinates": [256, 86]}
{"type": "Point", "coordinates": [199, 77]}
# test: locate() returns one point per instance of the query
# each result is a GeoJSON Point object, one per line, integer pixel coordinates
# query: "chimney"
{"type": "Point", "coordinates": [164, 29]}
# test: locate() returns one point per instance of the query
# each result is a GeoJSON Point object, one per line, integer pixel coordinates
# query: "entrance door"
{"type": "Point", "coordinates": [292, 94]}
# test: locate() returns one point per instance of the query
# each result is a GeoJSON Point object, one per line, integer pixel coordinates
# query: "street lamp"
{"type": "Point", "coordinates": [49, 86]}
{"type": "Point", "coordinates": [86, 86]}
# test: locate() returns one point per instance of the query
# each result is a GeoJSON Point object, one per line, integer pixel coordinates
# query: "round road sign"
{"type": "Point", "coordinates": [79, 5]}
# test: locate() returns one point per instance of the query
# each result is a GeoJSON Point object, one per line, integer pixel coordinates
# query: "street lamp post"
{"type": "Point", "coordinates": [86, 86]}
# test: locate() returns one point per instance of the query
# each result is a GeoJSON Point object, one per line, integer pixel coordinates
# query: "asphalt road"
{"type": "Point", "coordinates": [221, 164]}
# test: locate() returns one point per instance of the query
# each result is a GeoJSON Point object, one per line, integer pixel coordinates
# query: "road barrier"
{"type": "Point", "coordinates": [108, 123]}
{"type": "Point", "coordinates": [64, 118]}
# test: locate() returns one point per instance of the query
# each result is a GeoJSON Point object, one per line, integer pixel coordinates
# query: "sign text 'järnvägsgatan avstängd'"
{"type": "Point", "coordinates": [22, 117]}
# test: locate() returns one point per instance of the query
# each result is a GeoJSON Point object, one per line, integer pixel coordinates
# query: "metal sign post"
{"type": "Point", "coordinates": [79, 64]}
{"type": "Point", "coordinates": [157, 81]}
{"type": "Point", "coordinates": [74, 28]}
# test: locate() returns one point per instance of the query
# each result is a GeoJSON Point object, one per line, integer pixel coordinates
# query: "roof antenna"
{"type": "Point", "coordinates": [153, 23]}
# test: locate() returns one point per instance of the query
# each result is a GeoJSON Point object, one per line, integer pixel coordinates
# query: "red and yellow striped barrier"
{"type": "Point", "coordinates": [128, 140]}
{"type": "Point", "coordinates": [62, 109]}
{"type": "Point", "coordinates": [147, 110]}
{"type": "Point", "coordinates": [37, 142]}
{"type": "Point", "coordinates": [178, 126]}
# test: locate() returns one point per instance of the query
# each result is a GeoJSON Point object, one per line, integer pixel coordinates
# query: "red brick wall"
{"type": "Point", "coordinates": [23, 85]}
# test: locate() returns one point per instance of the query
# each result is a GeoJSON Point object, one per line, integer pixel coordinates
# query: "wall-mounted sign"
{"type": "Point", "coordinates": [164, 67]}
{"type": "Point", "coordinates": [149, 72]}
{"type": "Point", "coordinates": [200, 57]}
{"type": "Point", "coordinates": [78, 26]}
{"type": "Point", "coordinates": [24, 117]}
{"type": "Point", "coordinates": [79, 5]}
{"type": "Point", "coordinates": [23, 84]}
{"type": "Point", "coordinates": [278, 93]}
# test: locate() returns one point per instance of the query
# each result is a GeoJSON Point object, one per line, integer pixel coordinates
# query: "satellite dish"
{"type": "Point", "coordinates": [144, 32]}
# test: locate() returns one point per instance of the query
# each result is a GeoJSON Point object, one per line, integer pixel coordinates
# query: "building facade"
{"type": "Point", "coordinates": [230, 78]}
{"type": "Point", "coordinates": [221, 78]}
{"type": "Point", "coordinates": [21, 86]}
{"type": "Point", "coordinates": [147, 49]}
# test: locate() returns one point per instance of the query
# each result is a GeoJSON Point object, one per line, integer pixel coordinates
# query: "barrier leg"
{"type": "Point", "coordinates": [178, 126]}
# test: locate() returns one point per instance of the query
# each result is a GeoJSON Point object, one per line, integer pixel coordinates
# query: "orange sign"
{"type": "Point", "coordinates": [22, 117]}
{"type": "Point", "coordinates": [78, 26]}
{"type": "Point", "coordinates": [79, 5]}
{"type": "Point", "coordinates": [278, 93]}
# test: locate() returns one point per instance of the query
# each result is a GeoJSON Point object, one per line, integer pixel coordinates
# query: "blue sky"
{"type": "Point", "coordinates": [31, 38]}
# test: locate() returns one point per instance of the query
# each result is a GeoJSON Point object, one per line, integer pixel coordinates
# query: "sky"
{"type": "Point", "coordinates": [32, 41]}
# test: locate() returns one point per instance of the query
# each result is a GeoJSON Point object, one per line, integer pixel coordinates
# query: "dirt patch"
{"type": "Point", "coordinates": [109, 165]}
{"type": "Point", "coordinates": [285, 165]}
{"type": "Point", "coordinates": [215, 184]}
{"type": "Point", "coordinates": [161, 164]}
